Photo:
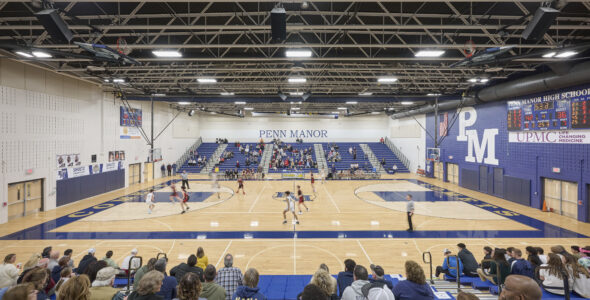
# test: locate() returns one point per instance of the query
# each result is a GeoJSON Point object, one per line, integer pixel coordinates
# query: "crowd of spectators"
{"type": "Point", "coordinates": [285, 156]}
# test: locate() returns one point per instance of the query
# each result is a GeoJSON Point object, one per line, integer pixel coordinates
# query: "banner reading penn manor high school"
{"type": "Point", "coordinates": [550, 137]}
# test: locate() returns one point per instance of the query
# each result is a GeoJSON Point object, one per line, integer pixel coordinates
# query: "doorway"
{"type": "Point", "coordinates": [561, 197]}
{"type": "Point", "coordinates": [438, 170]}
{"type": "Point", "coordinates": [134, 173]}
{"type": "Point", "coordinates": [25, 198]}
{"type": "Point", "coordinates": [453, 173]}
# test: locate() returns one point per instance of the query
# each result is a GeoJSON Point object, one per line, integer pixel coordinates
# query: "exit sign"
{"type": "Point", "coordinates": [556, 170]}
{"type": "Point", "coordinates": [29, 171]}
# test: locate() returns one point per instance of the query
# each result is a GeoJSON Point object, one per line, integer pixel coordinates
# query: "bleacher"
{"type": "Point", "coordinates": [347, 158]}
{"type": "Point", "coordinates": [300, 147]}
{"type": "Point", "coordinates": [382, 151]}
{"type": "Point", "coordinates": [230, 163]}
{"type": "Point", "coordinates": [205, 149]}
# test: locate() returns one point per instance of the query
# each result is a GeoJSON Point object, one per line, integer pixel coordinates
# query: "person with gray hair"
{"type": "Point", "coordinates": [249, 289]}
{"type": "Point", "coordinates": [229, 277]}
{"type": "Point", "coordinates": [168, 288]}
{"type": "Point", "coordinates": [102, 286]}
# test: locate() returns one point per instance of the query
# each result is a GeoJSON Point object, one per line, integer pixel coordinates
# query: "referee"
{"type": "Point", "coordinates": [410, 211]}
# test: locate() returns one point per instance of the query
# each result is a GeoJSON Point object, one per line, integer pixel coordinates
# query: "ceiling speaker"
{"type": "Point", "coordinates": [55, 25]}
{"type": "Point", "coordinates": [278, 24]}
{"type": "Point", "coordinates": [544, 17]}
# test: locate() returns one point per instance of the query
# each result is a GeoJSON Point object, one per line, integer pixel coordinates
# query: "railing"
{"type": "Point", "coordinates": [372, 158]}
{"type": "Point", "coordinates": [266, 155]}
{"type": "Point", "coordinates": [398, 153]}
{"type": "Point", "coordinates": [186, 154]}
{"type": "Point", "coordinates": [498, 274]}
{"type": "Point", "coordinates": [457, 269]}
{"type": "Point", "coordinates": [566, 283]}
{"type": "Point", "coordinates": [214, 158]}
{"type": "Point", "coordinates": [130, 271]}
{"type": "Point", "coordinates": [320, 157]}
{"type": "Point", "coordinates": [429, 262]}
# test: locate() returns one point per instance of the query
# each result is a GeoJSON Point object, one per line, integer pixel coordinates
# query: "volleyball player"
{"type": "Point", "coordinates": [290, 207]}
{"type": "Point", "coordinates": [312, 182]}
{"type": "Point", "coordinates": [301, 200]}
{"type": "Point", "coordinates": [185, 198]}
{"type": "Point", "coordinates": [241, 186]}
{"type": "Point", "coordinates": [149, 200]}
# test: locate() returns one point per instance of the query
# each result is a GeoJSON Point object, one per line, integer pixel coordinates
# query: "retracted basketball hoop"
{"type": "Point", "coordinates": [122, 46]}
{"type": "Point", "coordinates": [469, 49]}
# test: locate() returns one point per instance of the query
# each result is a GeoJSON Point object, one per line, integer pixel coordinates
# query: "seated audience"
{"type": "Point", "coordinates": [93, 269]}
{"type": "Point", "coordinates": [68, 253]}
{"type": "Point", "coordinates": [346, 277]}
{"type": "Point", "coordinates": [212, 290]}
{"type": "Point", "coordinates": [53, 258]}
{"type": "Point", "coordinates": [56, 271]}
{"type": "Point", "coordinates": [533, 256]}
{"type": "Point", "coordinates": [500, 263]}
{"type": "Point", "coordinates": [521, 266]}
{"type": "Point", "coordinates": [65, 275]}
{"type": "Point", "coordinates": [541, 255]}
{"type": "Point", "coordinates": [148, 286]}
{"type": "Point", "coordinates": [552, 275]}
{"type": "Point", "coordinates": [189, 267]}
{"type": "Point", "coordinates": [509, 255]}
{"type": "Point", "coordinates": [202, 260]}
{"type": "Point", "coordinates": [142, 271]}
{"type": "Point", "coordinates": [168, 289]}
{"type": "Point", "coordinates": [470, 265]}
{"type": "Point", "coordinates": [249, 289]}
{"type": "Point", "coordinates": [313, 292]}
{"type": "Point", "coordinates": [229, 277]}
{"type": "Point", "coordinates": [110, 262]}
{"type": "Point", "coordinates": [575, 251]}
{"type": "Point", "coordinates": [487, 254]}
{"type": "Point", "coordinates": [323, 280]}
{"type": "Point", "coordinates": [85, 261]}
{"type": "Point", "coordinates": [8, 271]}
{"type": "Point", "coordinates": [38, 278]}
{"type": "Point", "coordinates": [450, 265]}
{"type": "Point", "coordinates": [415, 286]}
{"type": "Point", "coordinates": [29, 265]}
{"type": "Point", "coordinates": [585, 257]}
{"type": "Point", "coordinates": [20, 292]}
{"type": "Point", "coordinates": [46, 251]}
{"type": "Point", "coordinates": [102, 287]}
{"type": "Point", "coordinates": [189, 287]}
{"type": "Point", "coordinates": [354, 291]}
{"type": "Point", "coordinates": [521, 287]}
{"type": "Point", "coordinates": [466, 296]}
{"type": "Point", "coordinates": [130, 265]}
{"type": "Point", "coordinates": [379, 276]}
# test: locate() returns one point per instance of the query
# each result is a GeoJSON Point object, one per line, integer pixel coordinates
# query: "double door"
{"type": "Point", "coordinates": [25, 198]}
{"type": "Point", "coordinates": [561, 197]}
{"type": "Point", "coordinates": [134, 173]}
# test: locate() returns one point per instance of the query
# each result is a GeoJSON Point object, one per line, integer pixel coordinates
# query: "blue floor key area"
{"type": "Point", "coordinates": [419, 196]}
{"type": "Point", "coordinates": [193, 196]}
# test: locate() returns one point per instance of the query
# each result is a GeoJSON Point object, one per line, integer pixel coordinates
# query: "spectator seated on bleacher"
{"type": "Point", "coordinates": [229, 277]}
{"type": "Point", "coordinates": [249, 289]}
{"type": "Point", "coordinates": [521, 287]}
{"type": "Point", "coordinates": [346, 277]}
{"type": "Point", "coordinates": [212, 290]}
{"type": "Point", "coordinates": [355, 290]}
{"type": "Point", "coordinates": [378, 276]}
{"type": "Point", "coordinates": [189, 267]}
{"type": "Point", "coordinates": [499, 261]}
{"type": "Point", "coordinates": [169, 283]}
{"type": "Point", "coordinates": [102, 286]}
{"type": "Point", "coordinates": [551, 275]}
{"type": "Point", "coordinates": [415, 286]}
{"type": "Point", "coordinates": [470, 264]}
{"type": "Point", "coordinates": [148, 287]}
{"type": "Point", "coordinates": [521, 266]}
{"type": "Point", "coordinates": [450, 267]}
{"type": "Point", "coordinates": [313, 292]}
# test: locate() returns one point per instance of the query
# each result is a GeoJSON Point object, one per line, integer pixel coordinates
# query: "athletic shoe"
{"type": "Point", "coordinates": [182, 212]}
{"type": "Point", "coordinates": [187, 208]}
{"type": "Point", "coordinates": [285, 222]}
{"type": "Point", "coordinates": [297, 222]}
{"type": "Point", "coordinates": [307, 208]}
{"type": "Point", "coordinates": [300, 212]}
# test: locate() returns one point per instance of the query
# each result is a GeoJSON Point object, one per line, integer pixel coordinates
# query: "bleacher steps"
{"type": "Point", "coordinates": [372, 158]}
{"type": "Point", "coordinates": [213, 159]}
{"type": "Point", "coordinates": [320, 157]}
{"type": "Point", "coordinates": [266, 157]}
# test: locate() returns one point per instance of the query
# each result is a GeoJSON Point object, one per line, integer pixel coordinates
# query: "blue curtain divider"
{"type": "Point", "coordinates": [74, 189]}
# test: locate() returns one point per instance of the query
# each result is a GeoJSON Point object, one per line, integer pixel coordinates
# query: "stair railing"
{"type": "Point", "coordinates": [457, 269]}
{"type": "Point", "coordinates": [429, 262]}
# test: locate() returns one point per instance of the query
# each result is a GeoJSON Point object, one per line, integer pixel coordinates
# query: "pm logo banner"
{"type": "Point", "coordinates": [550, 137]}
{"type": "Point", "coordinates": [480, 151]}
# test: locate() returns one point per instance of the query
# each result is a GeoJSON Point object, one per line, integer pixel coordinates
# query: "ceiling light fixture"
{"type": "Point", "coordinates": [352, 102]}
{"type": "Point", "coordinates": [295, 108]}
{"type": "Point", "coordinates": [296, 94]}
{"type": "Point", "coordinates": [336, 112]}
{"type": "Point", "coordinates": [240, 103]}
{"type": "Point", "coordinates": [342, 108]}
{"type": "Point", "coordinates": [183, 103]}
{"type": "Point", "coordinates": [433, 94]}
{"type": "Point", "coordinates": [24, 54]}
{"type": "Point", "coordinates": [484, 80]}
{"type": "Point", "coordinates": [366, 94]}
{"type": "Point", "coordinates": [407, 102]}
{"type": "Point", "coordinates": [40, 54]}
{"type": "Point", "coordinates": [227, 94]}
{"type": "Point", "coordinates": [159, 95]}
{"type": "Point", "coordinates": [106, 80]}
{"type": "Point", "coordinates": [298, 53]}
{"type": "Point", "coordinates": [566, 54]}
{"type": "Point", "coordinates": [473, 80]}
{"type": "Point", "coordinates": [429, 53]}
{"type": "Point", "coordinates": [206, 80]}
{"type": "Point", "coordinates": [387, 79]}
{"type": "Point", "coordinates": [297, 80]}
{"type": "Point", "coordinates": [166, 53]}
{"type": "Point", "coordinates": [549, 55]}
{"type": "Point", "coordinates": [119, 80]}
{"type": "Point", "coordinates": [248, 108]}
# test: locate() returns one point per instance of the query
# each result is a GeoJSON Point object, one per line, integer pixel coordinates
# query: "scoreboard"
{"type": "Point", "coordinates": [562, 114]}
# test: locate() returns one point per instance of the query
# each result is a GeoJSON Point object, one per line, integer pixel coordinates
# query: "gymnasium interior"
{"type": "Point", "coordinates": [477, 111]}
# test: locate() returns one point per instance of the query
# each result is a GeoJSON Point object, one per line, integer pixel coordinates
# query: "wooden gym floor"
{"type": "Point", "coordinates": [363, 220]}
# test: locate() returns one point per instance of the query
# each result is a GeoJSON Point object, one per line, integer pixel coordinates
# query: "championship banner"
{"type": "Point", "coordinates": [550, 137]}
{"type": "Point", "coordinates": [131, 117]}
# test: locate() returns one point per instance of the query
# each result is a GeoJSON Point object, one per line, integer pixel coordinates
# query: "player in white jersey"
{"type": "Point", "coordinates": [149, 199]}
{"type": "Point", "coordinates": [215, 184]}
{"type": "Point", "coordinates": [290, 207]}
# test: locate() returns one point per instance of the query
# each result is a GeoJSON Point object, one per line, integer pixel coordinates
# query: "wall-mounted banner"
{"type": "Point", "coordinates": [129, 133]}
{"type": "Point", "coordinates": [131, 117]}
{"type": "Point", "coordinates": [292, 134]}
{"type": "Point", "coordinates": [110, 166]}
{"type": "Point", "coordinates": [73, 172]}
{"type": "Point", "coordinates": [550, 137]}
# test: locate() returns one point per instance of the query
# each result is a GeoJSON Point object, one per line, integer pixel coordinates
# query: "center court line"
{"type": "Point", "coordinates": [257, 198]}
{"type": "Point", "coordinates": [365, 252]}
{"type": "Point", "coordinates": [331, 198]}
{"type": "Point", "coordinates": [223, 254]}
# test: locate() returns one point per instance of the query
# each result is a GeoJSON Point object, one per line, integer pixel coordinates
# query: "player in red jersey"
{"type": "Point", "coordinates": [241, 186]}
{"type": "Point", "coordinates": [312, 182]}
{"type": "Point", "coordinates": [185, 198]}
{"type": "Point", "coordinates": [174, 195]}
{"type": "Point", "coordinates": [301, 200]}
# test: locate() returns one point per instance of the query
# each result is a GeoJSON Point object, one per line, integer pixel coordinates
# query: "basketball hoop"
{"type": "Point", "coordinates": [469, 49]}
{"type": "Point", "coordinates": [122, 46]}
{"type": "Point", "coordinates": [433, 154]}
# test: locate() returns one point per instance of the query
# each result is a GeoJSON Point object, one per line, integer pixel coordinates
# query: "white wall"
{"type": "Point", "coordinates": [43, 114]}
{"type": "Point", "coordinates": [407, 135]}
{"type": "Point", "coordinates": [248, 129]}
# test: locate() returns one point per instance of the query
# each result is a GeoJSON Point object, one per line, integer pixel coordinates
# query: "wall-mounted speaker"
{"type": "Point", "coordinates": [544, 17]}
{"type": "Point", "coordinates": [278, 24]}
{"type": "Point", "coordinates": [55, 25]}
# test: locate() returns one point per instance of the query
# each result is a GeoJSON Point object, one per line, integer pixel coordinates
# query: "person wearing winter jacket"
{"type": "Point", "coordinates": [212, 290]}
{"type": "Point", "coordinates": [345, 278]}
{"type": "Point", "coordinates": [189, 267]}
{"type": "Point", "coordinates": [249, 290]}
{"type": "Point", "coordinates": [355, 290]}
{"type": "Point", "coordinates": [415, 286]}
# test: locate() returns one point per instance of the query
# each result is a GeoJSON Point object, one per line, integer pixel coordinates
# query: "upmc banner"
{"type": "Point", "coordinates": [550, 137]}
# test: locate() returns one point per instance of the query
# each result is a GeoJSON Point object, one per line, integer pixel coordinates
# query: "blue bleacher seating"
{"type": "Point", "coordinates": [347, 158]}
{"type": "Point", "coordinates": [206, 149]}
{"type": "Point", "coordinates": [382, 151]}
{"type": "Point", "coordinates": [300, 147]}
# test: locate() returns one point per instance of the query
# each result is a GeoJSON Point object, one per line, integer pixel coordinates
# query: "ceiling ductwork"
{"type": "Point", "coordinates": [578, 74]}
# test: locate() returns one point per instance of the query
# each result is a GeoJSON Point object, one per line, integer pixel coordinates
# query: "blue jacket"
{"type": "Point", "coordinates": [523, 267]}
{"type": "Point", "coordinates": [409, 290]}
{"type": "Point", "coordinates": [56, 273]}
{"type": "Point", "coordinates": [344, 280]}
{"type": "Point", "coordinates": [452, 263]}
{"type": "Point", "coordinates": [168, 289]}
{"type": "Point", "coordinates": [244, 292]}
{"type": "Point", "coordinates": [384, 281]}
